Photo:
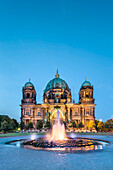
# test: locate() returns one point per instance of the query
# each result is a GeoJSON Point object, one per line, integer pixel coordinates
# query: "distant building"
{"type": "Point", "coordinates": [58, 93]}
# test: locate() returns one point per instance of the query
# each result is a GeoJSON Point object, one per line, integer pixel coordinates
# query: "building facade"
{"type": "Point", "coordinates": [58, 94]}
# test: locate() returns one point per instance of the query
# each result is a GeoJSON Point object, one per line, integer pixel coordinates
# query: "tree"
{"type": "Point", "coordinates": [12, 125]}
{"type": "Point", "coordinates": [48, 125]}
{"type": "Point", "coordinates": [4, 118]}
{"type": "Point", "coordinates": [39, 124]}
{"type": "Point", "coordinates": [7, 124]}
{"type": "Point", "coordinates": [91, 125]}
{"type": "Point", "coordinates": [80, 125]}
{"type": "Point", "coordinates": [15, 122]}
{"type": "Point", "coordinates": [96, 124]}
{"type": "Point", "coordinates": [22, 125]}
{"type": "Point", "coordinates": [109, 125]}
{"type": "Point", "coordinates": [100, 126]}
{"type": "Point", "coordinates": [30, 125]}
{"type": "Point", "coordinates": [74, 124]}
{"type": "Point", "coordinates": [4, 126]}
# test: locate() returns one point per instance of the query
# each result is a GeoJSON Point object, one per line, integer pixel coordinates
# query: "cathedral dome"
{"type": "Point", "coordinates": [56, 83]}
{"type": "Point", "coordinates": [28, 84]}
{"type": "Point", "coordinates": [86, 83]}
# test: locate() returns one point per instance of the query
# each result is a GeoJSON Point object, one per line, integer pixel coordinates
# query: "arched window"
{"type": "Point", "coordinates": [57, 85]}
{"type": "Point", "coordinates": [39, 114]}
{"type": "Point", "coordinates": [87, 113]}
{"type": "Point", "coordinates": [90, 94]}
{"type": "Point", "coordinates": [27, 113]}
{"type": "Point", "coordinates": [28, 95]}
{"type": "Point", "coordinates": [57, 100]}
{"type": "Point", "coordinates": [75, 113]}
{"type": "Point", "coordinates": [87, 94]}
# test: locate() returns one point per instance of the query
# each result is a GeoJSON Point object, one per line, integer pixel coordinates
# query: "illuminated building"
{"type": "Point", "coordinates": [58, 94]}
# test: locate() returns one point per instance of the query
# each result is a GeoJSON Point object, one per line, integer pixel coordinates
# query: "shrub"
{"type": "Point", "coordinates": [48, 125]}
{"type": "Point", "coordinates": [80, 125]}
{"type": "Point", "coordinates": [74, 124]}
{"type": "Point", "coordinates": [100, 126]}
{"type": "Point", "coordinates": [91, 124]}
{"type": "Point", "coordinates": [22, 125]}
{"type": "Point", "coordinates": [4, 126]}
{"type": "Point", "coordinates": [30, 125]}
{"type": "Point", "coordinates": [39, 124]}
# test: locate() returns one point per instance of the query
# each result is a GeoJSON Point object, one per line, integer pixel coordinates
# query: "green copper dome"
{"type": "Point", "coordinates": [56, 83]}
{"type": "Point", "coordinates": [28, 84]}
{"type": "Point", "coordinates": [86, 83]}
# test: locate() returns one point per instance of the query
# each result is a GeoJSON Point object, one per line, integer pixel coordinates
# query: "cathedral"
{"type": "Point", "coordinates": [57, 94]}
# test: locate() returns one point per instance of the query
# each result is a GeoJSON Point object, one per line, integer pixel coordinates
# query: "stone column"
{"type": "Point", "coordinates": [24, 111]}
{"type": "Point", "coordinates": [94, 114]}
{"type": "Point", "coordinates": [84, 93]}
{"type": "Point", "coordinates": [43, 114]}
{"type": "Point", "coordinates": [84, 119]}
{"type": "Point", "coordinates": [72, 112]}
{"type": "Point", "coordinates": [79, 111]}
{"type": "Point", "coordinates": [21, 113]}
{"type": "Point", "coordinates": [82, 114]}
{"type": "Point", "coordinates": [68, 114]}
{"type": "Point", "coordinates": [25, 122]}
{"type": "Point", "coordinates": [34, 116]}
{"type": "Point", "coordinates": [30, 111]}
{"type": "Point", "coordinates": [46, 114]}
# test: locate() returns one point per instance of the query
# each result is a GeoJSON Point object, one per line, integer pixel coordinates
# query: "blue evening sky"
{"type": "Point", "coordinates": [38, 35]}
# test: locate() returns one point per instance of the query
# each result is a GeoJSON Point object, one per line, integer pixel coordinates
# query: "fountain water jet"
{"type": "Point", "coordinates": [58, 129]}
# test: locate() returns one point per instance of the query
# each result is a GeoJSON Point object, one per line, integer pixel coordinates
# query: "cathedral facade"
{"type": "Point", "coordinates": [57, 94]}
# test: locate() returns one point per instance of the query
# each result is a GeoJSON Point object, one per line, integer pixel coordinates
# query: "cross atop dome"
{"type": "Point", "coordinates": [57, 75]}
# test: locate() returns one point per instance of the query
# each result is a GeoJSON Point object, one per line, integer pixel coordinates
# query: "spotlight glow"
{"type": "Point", "coordinates": [33, 136]}
{"type": "Point", "coordinates": [72, 135]}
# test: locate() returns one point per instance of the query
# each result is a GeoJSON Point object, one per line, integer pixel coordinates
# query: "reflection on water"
{"type": "Point", "coordinates": [13, 157]}
{"type": "Point", "coordinates": [100, 146]}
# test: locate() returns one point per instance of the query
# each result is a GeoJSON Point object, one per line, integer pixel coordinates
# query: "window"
{"type": "Point", "coordinates": [87, 94]}
{"type": "Point", "coordinates": [39, 114]}
{"type": "Point", "coordinates": [57, 100]}
{"type": "Point", "coordinates": [62, 85]}
{"type": "Point", "coordinates": [57, 85]}
{"type": "Point", "coordinates": [28, 95]}
{"type": "Point", "coordinates": [27, 113]}
{"type": "Point", "coordinates": [87, 113]}
{"type": "Point", "coordinates": [75, 113]}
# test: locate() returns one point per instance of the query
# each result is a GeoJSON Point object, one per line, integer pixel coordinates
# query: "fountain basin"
{"type": "Point", "coordinates": [69, 144]}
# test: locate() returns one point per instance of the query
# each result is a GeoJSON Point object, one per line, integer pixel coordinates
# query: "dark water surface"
{"type": "Point", "coordinates": [18, 158]}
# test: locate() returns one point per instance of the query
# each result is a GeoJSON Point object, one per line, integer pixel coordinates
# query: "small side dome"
{"type": "Point", "coordinates": [86, 83]}
{"type": "Point", "coordinates": [28, 84]}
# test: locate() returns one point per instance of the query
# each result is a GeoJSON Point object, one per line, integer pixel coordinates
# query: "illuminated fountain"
{"type": "Point", "coordinates": [60, 142]}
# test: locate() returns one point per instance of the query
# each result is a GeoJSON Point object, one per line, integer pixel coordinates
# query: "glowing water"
{"type": "Point", "coordinates": [58, 129]}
